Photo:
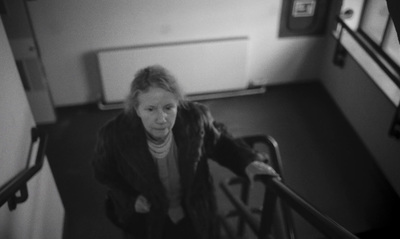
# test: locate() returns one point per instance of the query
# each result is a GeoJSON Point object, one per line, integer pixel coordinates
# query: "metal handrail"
{"type": "Point", "coordinates": [393, 76]}
{"type": "Point", "coordinates": [383, 61]}
{"type": "Point", "coordinates": [19, 182]}
{"type": "Point", "coordinates": [276, 189]}
{"type": "Point", "coordinates": [323, 223]}
{"type": "Point", "coordinates": [276, 163]}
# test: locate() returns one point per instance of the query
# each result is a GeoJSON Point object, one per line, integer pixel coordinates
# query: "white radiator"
{"type": "Point", "coordinates": [206, 66]}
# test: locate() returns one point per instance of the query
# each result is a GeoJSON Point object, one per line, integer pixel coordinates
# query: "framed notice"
{"type": "Point", "coordinates": [303, 8]}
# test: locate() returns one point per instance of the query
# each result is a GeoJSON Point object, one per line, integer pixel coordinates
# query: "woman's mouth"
{"type": "Point", "coordinates": [160, 129]}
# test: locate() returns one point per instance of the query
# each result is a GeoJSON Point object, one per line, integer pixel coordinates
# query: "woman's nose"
{"type": "Point", "coordinates": [161, 116]}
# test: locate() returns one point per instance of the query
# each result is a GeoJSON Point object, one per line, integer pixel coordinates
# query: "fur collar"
{"type": "Point", "coordinates": [188, 132]}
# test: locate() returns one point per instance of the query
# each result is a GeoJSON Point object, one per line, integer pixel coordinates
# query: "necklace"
{"type": "Point", "coordinates": [160, 150]}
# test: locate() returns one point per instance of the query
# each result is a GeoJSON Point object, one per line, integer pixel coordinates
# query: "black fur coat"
{"type": "Point", "coordinates": [124, 164]}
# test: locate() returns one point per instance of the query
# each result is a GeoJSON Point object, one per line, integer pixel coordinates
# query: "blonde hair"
{"type": "Point", "coordinates": [152, 76]}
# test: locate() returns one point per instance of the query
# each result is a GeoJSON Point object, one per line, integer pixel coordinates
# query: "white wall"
{"type": "Point", "coordinates": [363, 104]}
{"type": "Point", "coordinates": [69, 32]}
{"type": "Point", "coordinates": [42, 215]}
{"type": "Point", "coordinates": [16, 118]}
{"type": "Point", "coordinates": [367, 109]}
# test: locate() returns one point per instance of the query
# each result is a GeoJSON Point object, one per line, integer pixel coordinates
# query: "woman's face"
{"type": "Point", "coordinates": [157, 109]}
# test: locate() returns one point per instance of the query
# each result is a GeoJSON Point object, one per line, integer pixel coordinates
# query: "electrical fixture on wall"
{"type": "Point", "coordinates": [303, 17]}
{"type": "Point", "coordinates": [395, 127]}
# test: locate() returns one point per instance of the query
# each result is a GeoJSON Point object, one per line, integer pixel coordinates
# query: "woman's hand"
{"type": "Point", "coordinates": [260, 168]}
{"type": "Point", "coordinates": [142, 205]}
{"type": "Point", "coordinates": [263, 157]}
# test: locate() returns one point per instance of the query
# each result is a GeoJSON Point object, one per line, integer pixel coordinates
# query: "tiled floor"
{"type": "Point", "coordinates": [323, 160]}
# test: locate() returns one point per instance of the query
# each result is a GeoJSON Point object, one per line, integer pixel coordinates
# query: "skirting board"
{"type": "Point", "coordinates": [199, 97]}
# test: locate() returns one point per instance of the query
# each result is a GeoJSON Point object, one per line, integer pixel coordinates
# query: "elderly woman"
{"type": "Point", "coordinates": [153, 159]}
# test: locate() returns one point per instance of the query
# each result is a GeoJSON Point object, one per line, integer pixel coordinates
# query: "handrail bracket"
{"type": "Point", "coordinates": [341, 53]}
{"type": "Point", "coordinates": [15, 199]}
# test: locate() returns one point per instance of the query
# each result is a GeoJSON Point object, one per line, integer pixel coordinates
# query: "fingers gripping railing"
{"type": "Point", "coordinates": [284, 214]}
{"type": "Point", "coordinates": [276, 190]}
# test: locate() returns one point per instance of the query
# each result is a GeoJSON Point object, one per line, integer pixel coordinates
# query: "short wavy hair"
{"type": "Point", "coordinates": [152, 76]}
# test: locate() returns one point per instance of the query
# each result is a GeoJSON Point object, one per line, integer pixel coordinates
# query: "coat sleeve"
{"type": "Point", "coordinates": [121, 197]}
{"type": "Point", "coordinates": [105, 161]}
{"type": "Point", "coordinates": [223, 148]}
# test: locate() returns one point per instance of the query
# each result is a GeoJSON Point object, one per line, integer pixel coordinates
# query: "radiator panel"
{"type": "Point", "coordinates": [200, 66]}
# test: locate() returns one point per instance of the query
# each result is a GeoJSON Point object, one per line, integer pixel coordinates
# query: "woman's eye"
{"type": "Point", "coordinates": [169, 107]}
